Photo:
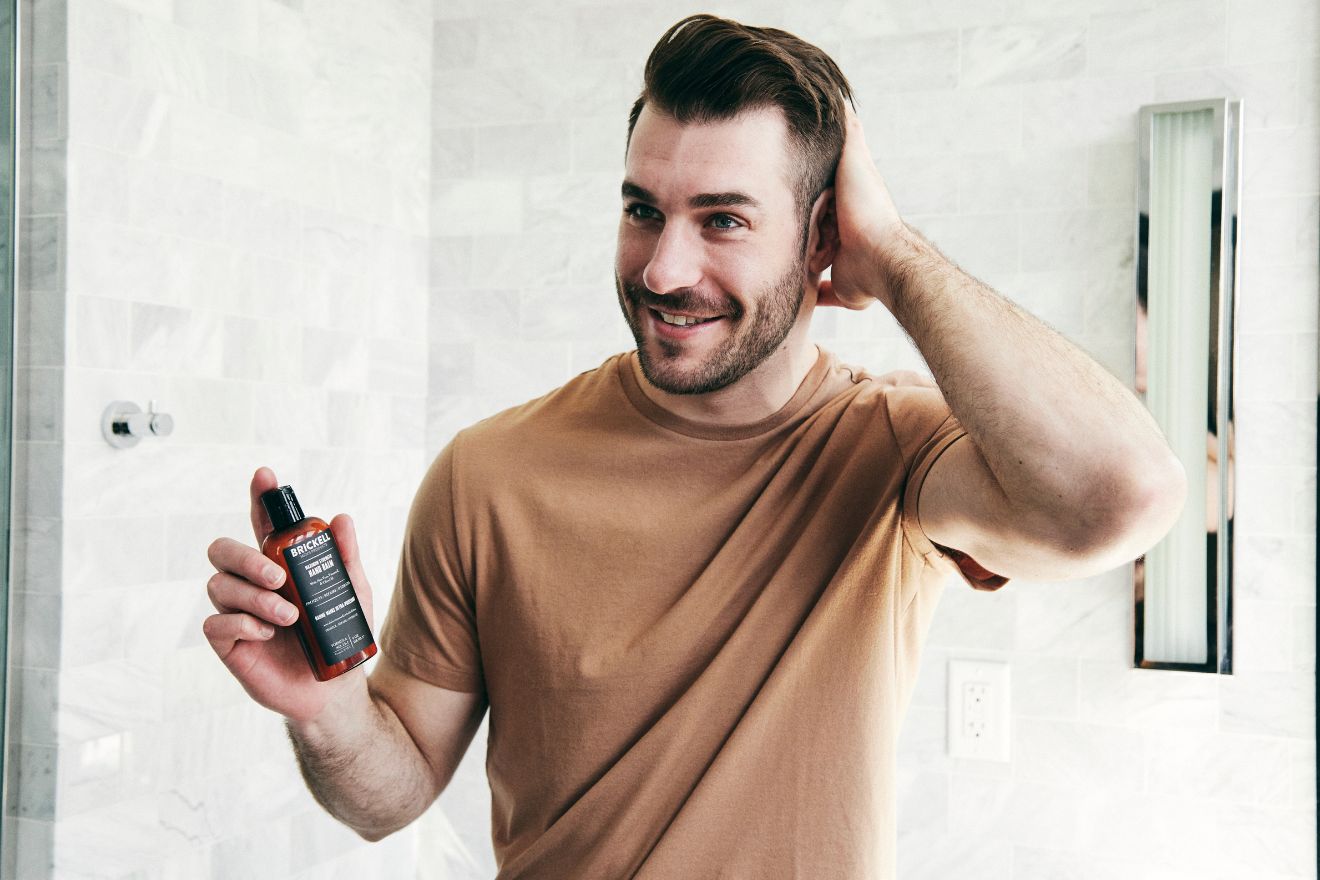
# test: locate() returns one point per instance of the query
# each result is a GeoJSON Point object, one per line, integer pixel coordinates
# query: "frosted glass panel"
{"type": "Point", "coordinates": [1182, 179]}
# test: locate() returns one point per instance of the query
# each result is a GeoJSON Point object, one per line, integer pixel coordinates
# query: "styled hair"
{"type": "Point", "coordinates": [710, 69]}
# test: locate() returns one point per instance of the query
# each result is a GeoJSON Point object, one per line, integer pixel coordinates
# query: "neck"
{"type": "Point", "coordinates": [759, 394]}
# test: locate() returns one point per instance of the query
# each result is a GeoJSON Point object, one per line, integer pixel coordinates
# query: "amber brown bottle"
{"type": "Point", "coordinates": [331, 626]}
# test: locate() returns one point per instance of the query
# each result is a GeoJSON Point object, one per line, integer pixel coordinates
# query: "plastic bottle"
{"type": "Point", "coordinates": [331, 625]}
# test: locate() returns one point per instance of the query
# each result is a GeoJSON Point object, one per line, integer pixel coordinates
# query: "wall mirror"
{"type": "Point", "coordinates": [1188, 192]}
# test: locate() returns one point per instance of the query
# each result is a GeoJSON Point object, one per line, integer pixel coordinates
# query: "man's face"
{"type": "Point", "coordinates": [710, 228]}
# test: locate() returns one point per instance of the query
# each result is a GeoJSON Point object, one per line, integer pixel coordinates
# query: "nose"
{"type": "Point", "coordinates": [675, 263]}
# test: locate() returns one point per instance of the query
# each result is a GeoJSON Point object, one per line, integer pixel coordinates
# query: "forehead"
{"type": "Point", "coordinates": [748, 153]}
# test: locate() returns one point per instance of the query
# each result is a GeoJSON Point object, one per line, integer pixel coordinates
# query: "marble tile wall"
{"type": "Point", "coordinates": [227, 214]}
{"type": "Point", "coordinates": [28, 830]}
{"type": "Point", "coordinates": [1007, 133]}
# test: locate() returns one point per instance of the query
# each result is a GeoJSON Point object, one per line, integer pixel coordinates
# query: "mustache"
{"type": "Point", "coordinates": [678, 301]}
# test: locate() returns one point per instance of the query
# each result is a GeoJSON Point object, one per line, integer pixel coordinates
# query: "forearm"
{"type": "Point", "coordinates": [362, 766]}
{"type": "Point", "coordinates": [1059, 432]}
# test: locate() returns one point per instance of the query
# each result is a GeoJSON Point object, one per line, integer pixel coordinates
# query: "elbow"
{"type": "Point", "coordinates": [1151, 509]}
{"type": "Point", "coordinates": [1161, 499]}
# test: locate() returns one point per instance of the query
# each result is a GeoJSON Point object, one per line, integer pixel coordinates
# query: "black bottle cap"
{"type": "Point", "coordinates": [282, 507]}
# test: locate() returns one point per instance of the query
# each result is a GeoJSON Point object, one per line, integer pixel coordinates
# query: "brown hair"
{"type": "Point", "coordinates": [708, 69]}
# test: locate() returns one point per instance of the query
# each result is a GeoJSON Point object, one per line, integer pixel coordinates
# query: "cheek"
{"type": "Point", "coordinates": [631, 252]}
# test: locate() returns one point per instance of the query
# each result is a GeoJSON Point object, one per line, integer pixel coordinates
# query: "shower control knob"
{"type": "Point", "coordinates": [124, 424]}
{"type": "Point", "coordinates": [161, 424]}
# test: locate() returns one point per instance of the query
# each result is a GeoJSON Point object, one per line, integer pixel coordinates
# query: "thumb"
{"type": "Point", "coordinates": [345, 533]}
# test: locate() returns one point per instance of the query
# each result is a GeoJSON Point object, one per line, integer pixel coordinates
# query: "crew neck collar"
{"type": "Point", "coordinates": [707, 431]}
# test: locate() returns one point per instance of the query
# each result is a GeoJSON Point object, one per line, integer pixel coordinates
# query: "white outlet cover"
{"type": "Point", "coordinates": [985, 738]}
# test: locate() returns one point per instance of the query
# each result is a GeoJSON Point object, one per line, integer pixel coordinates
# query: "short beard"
{"type": "Point", "coordinates": [775, 314]}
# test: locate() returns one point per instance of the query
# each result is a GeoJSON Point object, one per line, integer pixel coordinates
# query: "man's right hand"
{"type": "Point", "coordinates": [252, 633]}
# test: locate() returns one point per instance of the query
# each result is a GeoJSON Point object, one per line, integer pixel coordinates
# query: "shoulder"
{"type": "Point", "coordinates": [907, 401]}
{"type": "Point", "coordinates": [899, 389]}
{"type": "Point", "coordinates": [520, 429]}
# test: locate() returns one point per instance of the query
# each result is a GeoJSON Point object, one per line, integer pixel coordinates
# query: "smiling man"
{"type": "Point", "coordinates": [692, 584]}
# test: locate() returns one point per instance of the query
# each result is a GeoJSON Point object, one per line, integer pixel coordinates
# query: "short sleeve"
{"type": "Point", "coordinates": [430, 630]}
{"type": "Point", "coordinates": [925, 428]}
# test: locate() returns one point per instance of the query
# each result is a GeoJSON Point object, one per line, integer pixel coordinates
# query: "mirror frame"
{"type": "Point", "coordinates": [1224, 207]}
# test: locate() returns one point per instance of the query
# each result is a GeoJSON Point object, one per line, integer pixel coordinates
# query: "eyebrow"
{"type": "Point", "coordinates": [700, 200]}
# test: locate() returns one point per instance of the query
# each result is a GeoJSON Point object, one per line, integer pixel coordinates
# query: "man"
{"type": "Point", "coordinates": [692, 584]}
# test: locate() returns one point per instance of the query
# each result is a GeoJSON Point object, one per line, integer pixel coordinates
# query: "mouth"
{"type": "Point", "coordinates": [681, 326]}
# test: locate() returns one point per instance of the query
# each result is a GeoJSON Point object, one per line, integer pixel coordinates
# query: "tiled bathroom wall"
{"type": "Point", "coordinates": [1007, 133]}
{"type": "Point", "coordinates": [227, 214]}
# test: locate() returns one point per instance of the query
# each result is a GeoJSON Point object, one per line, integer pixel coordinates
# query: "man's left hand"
{"type": "Point", "coordinates": [867, 222]}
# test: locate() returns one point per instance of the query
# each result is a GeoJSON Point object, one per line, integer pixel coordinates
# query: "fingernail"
{"type": "Point", "coordinates": [290, 615]}
{"type": "Point", "coordinates": [274, 576]}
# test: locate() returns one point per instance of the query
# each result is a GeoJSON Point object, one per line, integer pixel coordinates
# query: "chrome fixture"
{"type": "Point", "coordinates": [1188, 193]}
{"type": "Point", "coordinates": [124, 424]}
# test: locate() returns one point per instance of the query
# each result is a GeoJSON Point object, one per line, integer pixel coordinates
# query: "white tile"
{"type": "Point", "coordinates": [1268, 703]}
{"type": "Point", "coordinates": [92, 626]}
{"type": "Point", "coordinates": [234, 28]}
{"type": "Point", "coordinates": [982, 244]}
{"type": "Point", "coordinates": [1213, 766]}
{"type": "Point", "coordinates": [1266, 838]}
{"type": "Point", "coordinates": [901, 62]}
{"type": "Point", "coordinates": [1303, 637]}
{"type": "Point", "coordinates": [169, 339]}
{"type": "Point", "coordinates": [923, 185]}
{"type": "Point", "coordinates": [117, 114]}
{"type": "Point", "coordinates": [567, 313]}
{"type": "Point", "coordinates": [1171, 833]}
{"type": "Point", "coordinates": [1053, 114]}
{"type": "Point", "coordinates": [334, 359]}
{"type": "Point", "coordinates": [1045, 687]}
{"type": "Point", "coordinates": [472, 207]}
{"type": "Point", "coordinates": [1284, 29]}
{"type": "Point", "coordinates": [998, 809]}
{"type": "Point", "coordinates": [1281, 162]}
{"type": "Point", "coordinates": [995, 619]}
{"type": "Point", "coordinates": [513, 260]}
{"type": "Point", "coordinates": [1027, 179]}
{"type": "Point", "coordinates": [1024, 51]}
{"type": "Point", "coordinates": [102, 35]}
{"type": "Point", "coordinates": [1185, 33]}
{"type": "Point", "coordinates": [1077, 757]}
{"type": "Point", "coordinates": [1146, 698]}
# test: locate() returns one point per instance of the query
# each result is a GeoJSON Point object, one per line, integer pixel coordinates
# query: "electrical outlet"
{"type": "Point", "coordinates": [978, 710]}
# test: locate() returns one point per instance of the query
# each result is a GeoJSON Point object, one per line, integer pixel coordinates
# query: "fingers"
{"type": "Point", "coordinates": [262, 481]}
{"type": "Point", "coordinates": [237, 558]}
{"type": "Point", "coordinates": [230, 594]}
{"type": "Point", "coordinates": [224, 631]}
{"type": "Point", "coordinates": [346, 537]}
{"type": "Point", "coordinates": [827, 296]}
{"type": "Point", "coordinates": [852, 123]}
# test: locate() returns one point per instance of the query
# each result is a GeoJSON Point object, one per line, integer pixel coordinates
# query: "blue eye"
{"type": "Point", "coordinates": [734, 221]}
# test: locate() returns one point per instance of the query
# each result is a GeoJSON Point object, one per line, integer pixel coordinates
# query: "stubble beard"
{"type": "Point", "coordinates": [753, 338]}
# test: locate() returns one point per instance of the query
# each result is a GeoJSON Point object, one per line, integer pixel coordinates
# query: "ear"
{"type": "Point", "coordinates": [823, 240]}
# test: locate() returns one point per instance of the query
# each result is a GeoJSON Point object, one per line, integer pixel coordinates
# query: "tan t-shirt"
{"type": "Point", "coordinates": [698, 642]}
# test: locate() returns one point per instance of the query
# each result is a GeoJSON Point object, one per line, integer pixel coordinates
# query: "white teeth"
{"type": "Point", "coordinates": [679, 320]}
